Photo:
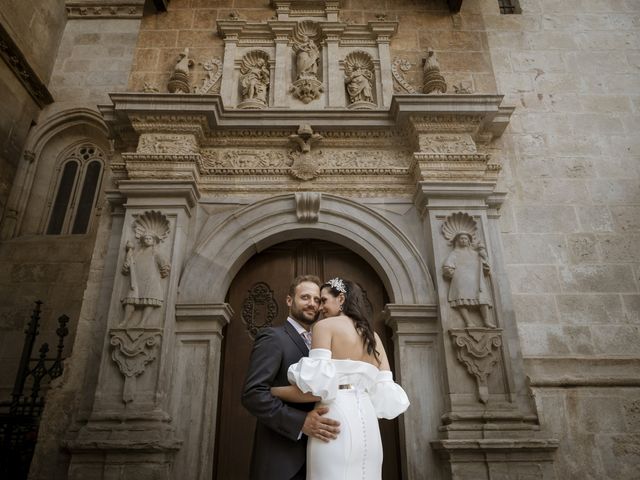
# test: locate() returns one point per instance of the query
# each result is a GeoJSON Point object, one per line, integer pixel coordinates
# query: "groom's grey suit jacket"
{"type": "Point", "coordinates": [278, 452]}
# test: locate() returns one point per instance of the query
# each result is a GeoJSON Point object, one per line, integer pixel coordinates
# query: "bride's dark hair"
{"type": "Point", "coordinates": [354, 308]}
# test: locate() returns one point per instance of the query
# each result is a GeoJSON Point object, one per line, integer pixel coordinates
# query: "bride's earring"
{"type": "Point", "coordinates": [340, 307]}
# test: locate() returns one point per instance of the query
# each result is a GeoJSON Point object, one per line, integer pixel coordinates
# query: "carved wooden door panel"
{"type": "Point", "coordinates": [258, 298]}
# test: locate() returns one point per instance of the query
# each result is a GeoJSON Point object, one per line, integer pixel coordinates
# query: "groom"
{"type": "Point", "coordinates": [280, 441]}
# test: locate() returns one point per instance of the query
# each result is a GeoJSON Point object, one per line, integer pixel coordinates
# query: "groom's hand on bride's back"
{"type": "Point", "coordinates": [320, 427]}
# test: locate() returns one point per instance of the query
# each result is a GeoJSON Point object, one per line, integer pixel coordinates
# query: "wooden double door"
{"type": "Point", "coordinates": [258, 298]}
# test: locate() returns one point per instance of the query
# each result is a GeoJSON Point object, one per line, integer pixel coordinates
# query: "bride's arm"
{"type": "Point", "coordinates": [293, 394]}
{"type": "Point", "coordinates": [384, 361]}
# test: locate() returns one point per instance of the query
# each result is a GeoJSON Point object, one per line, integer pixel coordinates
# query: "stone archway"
{"type": "Point", "coordinates": [222, 249]}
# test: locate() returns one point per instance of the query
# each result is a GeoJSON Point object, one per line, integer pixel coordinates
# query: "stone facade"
{"type": "Point", "coordinates": [504, 229]}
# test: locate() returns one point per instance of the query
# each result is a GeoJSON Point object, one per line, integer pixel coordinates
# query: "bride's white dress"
{"type": "Point", "coordinates": [357, 394]}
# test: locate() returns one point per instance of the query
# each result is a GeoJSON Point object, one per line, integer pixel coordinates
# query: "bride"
{"type": "Point", "coordinates": [347, 370]}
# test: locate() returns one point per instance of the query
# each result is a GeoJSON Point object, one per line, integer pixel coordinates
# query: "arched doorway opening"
{"type": "Point", "coordinates": [257, 295]}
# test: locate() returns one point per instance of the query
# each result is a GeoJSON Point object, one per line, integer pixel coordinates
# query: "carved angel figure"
{"type": "Point", "coordinates": [254, 79]}
{"type": "Point", "coordinates": [307, 56]}
{"type": "Point", "coordinates": [466, 267]}
{"type": "Point", "coordinates": [145, 267]}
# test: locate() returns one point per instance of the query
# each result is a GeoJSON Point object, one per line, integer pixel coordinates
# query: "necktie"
{"type": "Point", "coordinates": [306, 336]}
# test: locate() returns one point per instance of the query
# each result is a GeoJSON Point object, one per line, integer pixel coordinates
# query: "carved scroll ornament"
{"type": "Point", "coordinates": [476, 349]}
{"type": "Point", "coordinates": [259, 308]}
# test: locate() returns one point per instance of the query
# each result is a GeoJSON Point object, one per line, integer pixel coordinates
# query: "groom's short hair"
{"type": "Point", "coordinates": [300, 279]}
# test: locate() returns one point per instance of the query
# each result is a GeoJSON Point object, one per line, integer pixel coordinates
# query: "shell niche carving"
{"type": "Point", "coordinates": [360, 79]}
{"type": "Point", "coordinates": [152, 223]}
{"type": "Point", "coordinates": [254, 80]}
{"type": "Point", "coordinates": [458, 223]}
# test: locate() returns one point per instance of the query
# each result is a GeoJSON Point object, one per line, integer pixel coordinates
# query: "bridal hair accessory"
{"type": "Point", "coordinates": [337, 284]}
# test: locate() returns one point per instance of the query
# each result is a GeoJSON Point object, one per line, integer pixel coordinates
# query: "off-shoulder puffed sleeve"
{"type": "Point", "coordinates": [316, 374]}
{"type": "Point", "coordinates": [388, 398]}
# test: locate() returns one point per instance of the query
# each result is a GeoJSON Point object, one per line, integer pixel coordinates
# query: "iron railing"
{"type": "Point", "coordinates": [20, 417]}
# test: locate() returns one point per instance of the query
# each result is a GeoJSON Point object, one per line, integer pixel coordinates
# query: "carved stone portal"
{"type": "Point", "coordinates": [476, 349]}
{"type": "Point", "coordinates": [132, 350]}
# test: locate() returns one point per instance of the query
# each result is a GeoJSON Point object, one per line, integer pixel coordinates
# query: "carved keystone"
{"type": "Point", "coordinates": [308, 206]}
{"type": "Point", "coordinates": [476, 349]}
{"type": "Point", "coordinates": [133, 350]}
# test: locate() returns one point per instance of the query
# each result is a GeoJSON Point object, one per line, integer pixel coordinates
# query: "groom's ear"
{"type": "Point", "coordinates": [289, 300]}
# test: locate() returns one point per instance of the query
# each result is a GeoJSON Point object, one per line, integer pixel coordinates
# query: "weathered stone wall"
{"type": "Point", "coordinates": [571, 224]}
{"type": "Point", "coordinates": [94, 59]}
{"type": "Point", "coordinates": [192, 24]}
{"type": "Point", "coordinates": [20, 20]}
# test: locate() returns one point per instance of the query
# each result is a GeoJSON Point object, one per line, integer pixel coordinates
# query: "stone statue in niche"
{"type": "Point", "coordinates": [433, 81]}
{"type": "Point", "coordinates": [307, 86]}
{"type": "Point", "coordinates": [359, 71]}
{"type": "Point", "coordinates": [254, 80]}
{"type": "Point", "coordinates": [145, 268]}
{"type": "Point", "coordinates": [467, 266]}
{"type": "Point", "coordinates": [179, 81]}
{"type": "Point", "coordinates": [307, 57]}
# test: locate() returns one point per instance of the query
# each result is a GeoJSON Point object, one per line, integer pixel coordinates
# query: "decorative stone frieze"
{"type": "Point", "coordinates": [104, 10]}
{"type": "Point", "coordinates": [17, 62]}
{"type": "Point", "coordinates": [132, 350]}
{"type": "Point", "coordinates": [173, 144]}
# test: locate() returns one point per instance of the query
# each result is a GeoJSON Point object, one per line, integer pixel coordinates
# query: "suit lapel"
{"type": "Point", "coordinates": [296, 337]}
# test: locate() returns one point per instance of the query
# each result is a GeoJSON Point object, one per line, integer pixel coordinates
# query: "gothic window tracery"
{"type": "Point", "coordinates": [77, 185]}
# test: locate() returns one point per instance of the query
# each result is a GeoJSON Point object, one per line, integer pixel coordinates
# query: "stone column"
{"type": "Point", "coordinates": [195, 388]}
{"type": "Point", "coordinates": [417, 351]}
{"type": "Point", "coordinates": [281, 81]}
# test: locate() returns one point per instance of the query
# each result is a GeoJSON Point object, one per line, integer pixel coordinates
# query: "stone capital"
{"type": "Point", "coordinates": [203, 318]}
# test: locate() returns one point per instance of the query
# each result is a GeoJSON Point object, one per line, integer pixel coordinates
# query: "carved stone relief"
{"type": "Point", "coordinates": [150, 143]}
{"type": "Point", "coordinates": [466, 267]}
{"type": "Point", "coordinates": [132, 350]}
{"type": "Point", "coordinates": [180, 81]}
{"type": "Point", "coordinates": [254, 80]}
{"type": "Point", "coordinates": [211, 84]}
{"type": "Point", "coordinates": [398, 67]}
{"type": "Point", "coordinates": [360, 80]}
{"type": "Point", "coordinates": [433, 81]}
{"type": "Point", "coordinates": [477, 349]}
{"type": "Point", "coordinates": [145, 268]}
{"type": "Point", "coordinates": [443, 143]}
{"type": "Point", "coordinates": [259, 308]}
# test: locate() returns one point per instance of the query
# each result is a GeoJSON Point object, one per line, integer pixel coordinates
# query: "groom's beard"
{"type": "Point", "coordinates": [304, 316]}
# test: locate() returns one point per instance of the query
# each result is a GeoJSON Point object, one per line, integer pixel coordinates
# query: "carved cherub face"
{"type": "Point", "coordinates": [463, 240]}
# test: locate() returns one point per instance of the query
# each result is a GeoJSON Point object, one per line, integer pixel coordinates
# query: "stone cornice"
{"type": "Point", "coordinates": [19, 65]}
{"type": "Point", "coordinates": [452, 109]}
{"type": "Point", "coordinates": [104, 9]}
